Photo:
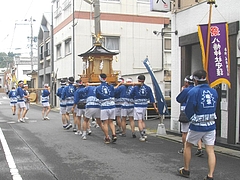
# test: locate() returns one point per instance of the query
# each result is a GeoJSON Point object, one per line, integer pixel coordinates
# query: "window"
{"type": "Point", "coordinates": [47, 51]}
{"type": "Point", "coordinates": [111, 43]}
{"type": "Point", "coordinates": [179, 4]}
{"type": "Point", "coordinates": [68, 46]}
{"type": "Point", "coordinates": [59, 53]}
{"type": "Point", "coordinates": [41, 53]}
{"type": "Point", "coordinates": [167, 44]}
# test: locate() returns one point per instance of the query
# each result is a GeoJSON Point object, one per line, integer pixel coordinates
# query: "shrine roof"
{"type": "Point", "coordinates": [97, 50]}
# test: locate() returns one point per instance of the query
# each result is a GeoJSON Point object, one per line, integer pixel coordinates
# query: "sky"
{"type": "Point", "coordinates": [15, 30]}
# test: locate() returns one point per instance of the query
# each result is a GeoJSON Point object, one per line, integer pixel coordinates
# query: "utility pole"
{"type": "Point", "coordinates": [73, 39]}
{"type": "Point", "coordinates": [31, 46]}
{"type": "Point", "coordinates": [31, 53]}
{"type": "Point", "coordinates": [53, 80]}
{"type": "Point", "coordinates": [31, 41]}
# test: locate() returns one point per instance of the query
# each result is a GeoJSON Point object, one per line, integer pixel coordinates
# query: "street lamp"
{"type": "Point", "coordinates": [162, 32]}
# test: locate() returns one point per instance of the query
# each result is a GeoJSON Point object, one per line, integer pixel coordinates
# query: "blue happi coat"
{"type": "Point", "coordinates": [200, 108]}
{"type": "Point", "coordinates": [142, 95]}
{"type": "Point", "coordinates": [59, 94]}
{"type": "Point", "coordinates": [105, 94]}
{"type": "Point", "coordinates": [91, 100]}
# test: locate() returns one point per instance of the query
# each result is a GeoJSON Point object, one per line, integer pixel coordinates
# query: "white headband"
{"type": "Point", "coordinates": [102, 79]}
{"type": "Point", "coordinates": [197, 79]}
{"type": "Point", "coordinates": [129, 80]}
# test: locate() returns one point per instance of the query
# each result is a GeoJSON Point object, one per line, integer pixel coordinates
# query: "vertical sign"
{"type": "Point", "coordinates": [160, 5]}
{"type": "Point", "coordinates": [218, 64]}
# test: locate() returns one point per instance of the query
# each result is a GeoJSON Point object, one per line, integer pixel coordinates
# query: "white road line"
{"type": "Point", "coordinates": [11, 164]}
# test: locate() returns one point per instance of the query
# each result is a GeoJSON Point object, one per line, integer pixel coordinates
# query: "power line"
{"type": "Point", "coordinates": [12, 37]}
{"type": "Point", "coordinates": [5, 38]}
{"type": "Point", "coordinates": [28, 9]}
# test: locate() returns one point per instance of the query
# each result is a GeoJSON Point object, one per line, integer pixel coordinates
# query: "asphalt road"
{"type": "Point", "coordinates": [42, 150]}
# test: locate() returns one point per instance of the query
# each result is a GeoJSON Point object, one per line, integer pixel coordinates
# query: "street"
{"type": "Point", "coordinates": [41, 149]}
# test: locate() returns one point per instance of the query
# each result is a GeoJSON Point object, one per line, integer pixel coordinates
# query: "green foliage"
{"type": "Point", "coordinates": [6, 59]}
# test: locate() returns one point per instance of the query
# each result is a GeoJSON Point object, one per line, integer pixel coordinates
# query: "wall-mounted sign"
{"type": "Point", "coordinates": [160, 5]}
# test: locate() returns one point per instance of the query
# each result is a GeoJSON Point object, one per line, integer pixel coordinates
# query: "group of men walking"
{"type": "Point", "coordinates": [105, 103]}
{"type": "Point", "coordinates": [19, 99]}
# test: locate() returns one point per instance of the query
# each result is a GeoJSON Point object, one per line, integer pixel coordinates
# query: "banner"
{"type": "Point", "coordinates": [161, 104]}
{"type": "Point", "coordinates": [217, 65]}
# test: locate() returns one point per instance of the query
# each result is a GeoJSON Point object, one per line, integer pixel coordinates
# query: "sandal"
{"type": "Point", "coordinates": [183, 172]}
{"type": "Point", "coordinates": [208, 178]}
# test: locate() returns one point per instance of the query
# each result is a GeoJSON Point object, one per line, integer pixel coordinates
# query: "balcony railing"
{"type": "Point", "coordinates": [66, 4]}
{"type": "Point", "coordinates": [58, 12]}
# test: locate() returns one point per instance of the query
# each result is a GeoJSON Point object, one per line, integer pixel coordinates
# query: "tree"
{"type": "Point", "coordinates": [6, 59]}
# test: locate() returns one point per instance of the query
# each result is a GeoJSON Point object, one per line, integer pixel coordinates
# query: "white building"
{"type": "Point", "coordinates": [3, 76]}
{"type": "Point", "coordinates": [186, 58]}
{"type": "Point", "coordinates": [127, 28]}
{"type": "Point", "coordinates": [24, 66]}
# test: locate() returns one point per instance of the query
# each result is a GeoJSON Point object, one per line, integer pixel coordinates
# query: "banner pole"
{"type": "Point", "coordinates": [208, 39]}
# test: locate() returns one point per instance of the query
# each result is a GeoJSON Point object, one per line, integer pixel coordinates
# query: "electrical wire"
{"type": "Point", "coordinates": [221, 15]}
{"type": "Point", "coordinates": [10, 49]}
{"type": "Point", "coordinates": [30, 5]}
{"type": "Point", "coordinates": [204, 17]}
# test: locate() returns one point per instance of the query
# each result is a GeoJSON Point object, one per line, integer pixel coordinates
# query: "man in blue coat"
{"type": "Point", "coordinates": [62, 103]}
{"type": "Point", "coordinates": [200, 110]}
{"type": "Point", "coordinates": [142, 95]}
{"type": "Point", "coordinates": [45, 102]}
{"type": "Point", "coordinates": [105, 94]}
{"type": "Point", "coordinates": [68, 95]}
{"type": "Point", "coordinates": [182, 99]}
{"type": "Point", "coordinates": [21, 94]}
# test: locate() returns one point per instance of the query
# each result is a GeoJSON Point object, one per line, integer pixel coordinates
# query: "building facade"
{"type": "Point", "coordinates": [45, 57]}
{"type": "Point", "coordinates": [187, 57]}
{"type": "Point", "coordinates": [126, 27]}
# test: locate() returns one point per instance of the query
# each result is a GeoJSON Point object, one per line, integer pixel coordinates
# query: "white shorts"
{"type": "Point", "coordinates": [62, 110]}
{"type": "Point", "coordinates": [208, 138]}
{"type": "Point", "coordinates": [21, 105]}
{"type": "Point", "coordinates": [118, 111]}
{"type": "Point", "coordinates": [69, 109]}
{"type": "Point", "coordinates": [75, 110]}
{"type": "Point", "coordinates": [45, 104]}
{"type": "Point", "coordinates": [139, 113]}
{"type": "Point", "coordinates": [185, 127]}
{"type": "Point", "coordinates": [80, 112]}
{"type": "Point", "coordinates": [27, 106]}
{"type": "Point", "coordinates": [13, 104]}
{"type": "Point", "coordinates": [92, 112]}
{"type": "Point", "coordinates": [107, 114]}
{"type": "Point", "coordinates": [127, 112]}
